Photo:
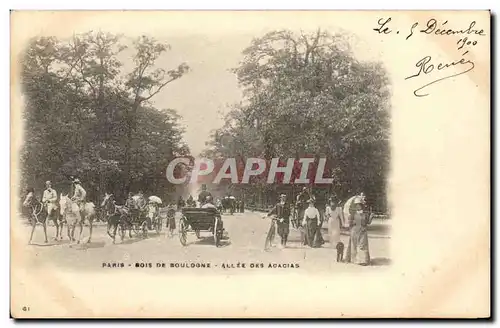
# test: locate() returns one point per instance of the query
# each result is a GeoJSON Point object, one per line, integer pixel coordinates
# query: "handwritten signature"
{"type": "Point", "coordinates": [426, 66]}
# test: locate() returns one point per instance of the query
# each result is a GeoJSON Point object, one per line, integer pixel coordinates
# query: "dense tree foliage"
{"type": "Point", "coordinates": [307, 95]}
{"type": "Point", "coordinates": [85, 115]}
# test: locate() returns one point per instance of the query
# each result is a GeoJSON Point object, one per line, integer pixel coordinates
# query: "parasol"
{"type": "Point", "coordinates": [155, 199]}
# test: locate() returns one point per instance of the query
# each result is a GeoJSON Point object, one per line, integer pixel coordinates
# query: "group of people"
{"type": "Point", "coordinates": [49, 197]}
{"type": "Point", "coordinates": [205, 198]}
{"type": "Point", "coordinates": [310, 222]}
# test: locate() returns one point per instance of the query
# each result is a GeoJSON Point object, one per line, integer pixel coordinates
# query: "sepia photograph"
{"type": "Point", "coordinates": [224, 155]}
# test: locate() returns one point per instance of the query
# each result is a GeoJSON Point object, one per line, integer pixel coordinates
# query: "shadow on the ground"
{"type": "Point", "coordinates": [380, 261]}
{"type": "Point", "coordinates": [85, 245]}
{"type": "Point", "coordinates": [209, 240]}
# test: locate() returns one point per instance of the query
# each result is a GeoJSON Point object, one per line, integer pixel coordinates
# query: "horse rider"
{"type": "Point", "coordinates": [282, 212]}
{"type": "Point", "coordinates": [79, 194]}
{"type": "Point", "coordinates": [202, 197]}
{"type": "Point", "coordinates": [49, 198]}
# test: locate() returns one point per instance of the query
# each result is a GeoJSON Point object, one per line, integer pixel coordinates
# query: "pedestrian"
{"type": "Point", "coordinates": [358, 251]}
{"type": "Point", "coordinates": [310, 223]}
{"type": "Point", "coordinates": [282, 212]}
{"type": "Point", "coordinates": [334, 219]}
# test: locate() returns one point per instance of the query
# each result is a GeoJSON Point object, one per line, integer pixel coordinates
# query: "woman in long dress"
{"type": "Point", "coordinates": [358, 250]}
{"type": "Point", "coordinates": [334, 219]}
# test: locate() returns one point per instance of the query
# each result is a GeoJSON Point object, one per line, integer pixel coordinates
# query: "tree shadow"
{"type": "Point", "coordinates": [128, 241]}
{"type": "Point", "coordinates": [92, 244]}
{"type": "Point", "coordinates": [380, 261]}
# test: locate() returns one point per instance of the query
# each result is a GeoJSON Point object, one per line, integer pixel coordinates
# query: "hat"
{"type": "Point", "coordinates": [76, 181]}
{"type": "Point", "coordinates": [282, 195]}
{"type": "Point", "coordinates": [311, 201]}
{"type": "Point", "coordinates": [48, 182]}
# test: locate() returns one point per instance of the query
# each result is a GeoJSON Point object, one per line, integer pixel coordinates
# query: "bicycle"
{"type": "Point", "coordinates": [270, 234]}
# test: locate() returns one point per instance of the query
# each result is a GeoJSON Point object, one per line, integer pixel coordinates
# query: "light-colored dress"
{"type": "Point", "coordinates": [358, 251]}
{"type": "Point", "coordinates": [334, 222]}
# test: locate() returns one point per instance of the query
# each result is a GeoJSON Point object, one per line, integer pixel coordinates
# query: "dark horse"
{"type": "Point", "coordinates": [116, 217]}
{"type": "Point", "coordinates": [39, 213]}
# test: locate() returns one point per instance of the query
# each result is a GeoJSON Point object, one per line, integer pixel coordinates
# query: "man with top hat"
{"type": "Point", "coordinates": [49, 198]}
{"type": "Point", "coordinates": [282, 213]}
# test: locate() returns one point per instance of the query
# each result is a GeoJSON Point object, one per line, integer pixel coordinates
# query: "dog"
{"type": "Point", "coordinates": [340, 251]}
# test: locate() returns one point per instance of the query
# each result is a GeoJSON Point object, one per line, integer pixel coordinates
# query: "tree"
{"type": "Point", "coordinates": [83, 113]}
{"type": "Point", "coordinates": [307, 95]}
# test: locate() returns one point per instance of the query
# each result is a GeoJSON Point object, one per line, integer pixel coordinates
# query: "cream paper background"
{"type": "Point", "coordinates": [439, 187]}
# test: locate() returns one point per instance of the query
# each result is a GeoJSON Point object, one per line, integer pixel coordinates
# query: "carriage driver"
{"type": "Point", "coordinates": [79, 195]}
{"type": "Point", "coordinates": [49, 198]}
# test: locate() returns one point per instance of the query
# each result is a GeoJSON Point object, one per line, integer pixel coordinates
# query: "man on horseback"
{"type": "Point", "coordinates": [79, 194]}
{"type": "Point", "coordinates": [49, 198]}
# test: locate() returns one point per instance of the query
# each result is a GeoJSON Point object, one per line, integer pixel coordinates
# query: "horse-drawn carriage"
{"type": "Point", "coordinates": [200, 219]}
{"type": "Point", "coordinates": [139, 219]}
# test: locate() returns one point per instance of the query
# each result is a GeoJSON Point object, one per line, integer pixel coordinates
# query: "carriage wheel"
{"type": "Point", "coordinates": [137, 228]}
{"type": "Point", "coordinates": [183, 233]}
{"type": "Point", "coordinates": [216, 232]}
{"type": "Point", "coordinates": [197, 232]}
{"type": "Point", "coordinates": [270, 235]}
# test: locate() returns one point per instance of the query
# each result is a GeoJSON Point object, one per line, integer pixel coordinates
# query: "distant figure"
{"type": "Point", "coordinates": [180, 203]}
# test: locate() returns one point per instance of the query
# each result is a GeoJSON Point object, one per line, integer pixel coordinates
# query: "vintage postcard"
{"type": "Point", "coordinates": [250, 164]}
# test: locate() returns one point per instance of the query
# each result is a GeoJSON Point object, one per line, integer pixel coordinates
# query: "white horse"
{"type": "Point", "coordinates": [74, 215]}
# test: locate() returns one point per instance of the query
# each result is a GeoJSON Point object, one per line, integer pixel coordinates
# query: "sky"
{"type": "Point", "coordinates": [211, 43]}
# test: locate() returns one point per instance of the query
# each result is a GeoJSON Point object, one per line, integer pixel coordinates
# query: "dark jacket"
{"type": "Point", "coordinates": [281, 211]}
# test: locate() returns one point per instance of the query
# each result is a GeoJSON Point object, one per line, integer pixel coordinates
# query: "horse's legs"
{"type": "Point", "coordinates": [114, 232]}
{"type": "Point", "coordinates": [56, 224]}
{"type": "Point", "coordinates": [90, 230]}
{"type": "Point", "coordinates": [45, 230]}
{"type": "Point", "coordinates": [81, 231]}
{"type": "Point", "coordinates": [33, 225]}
